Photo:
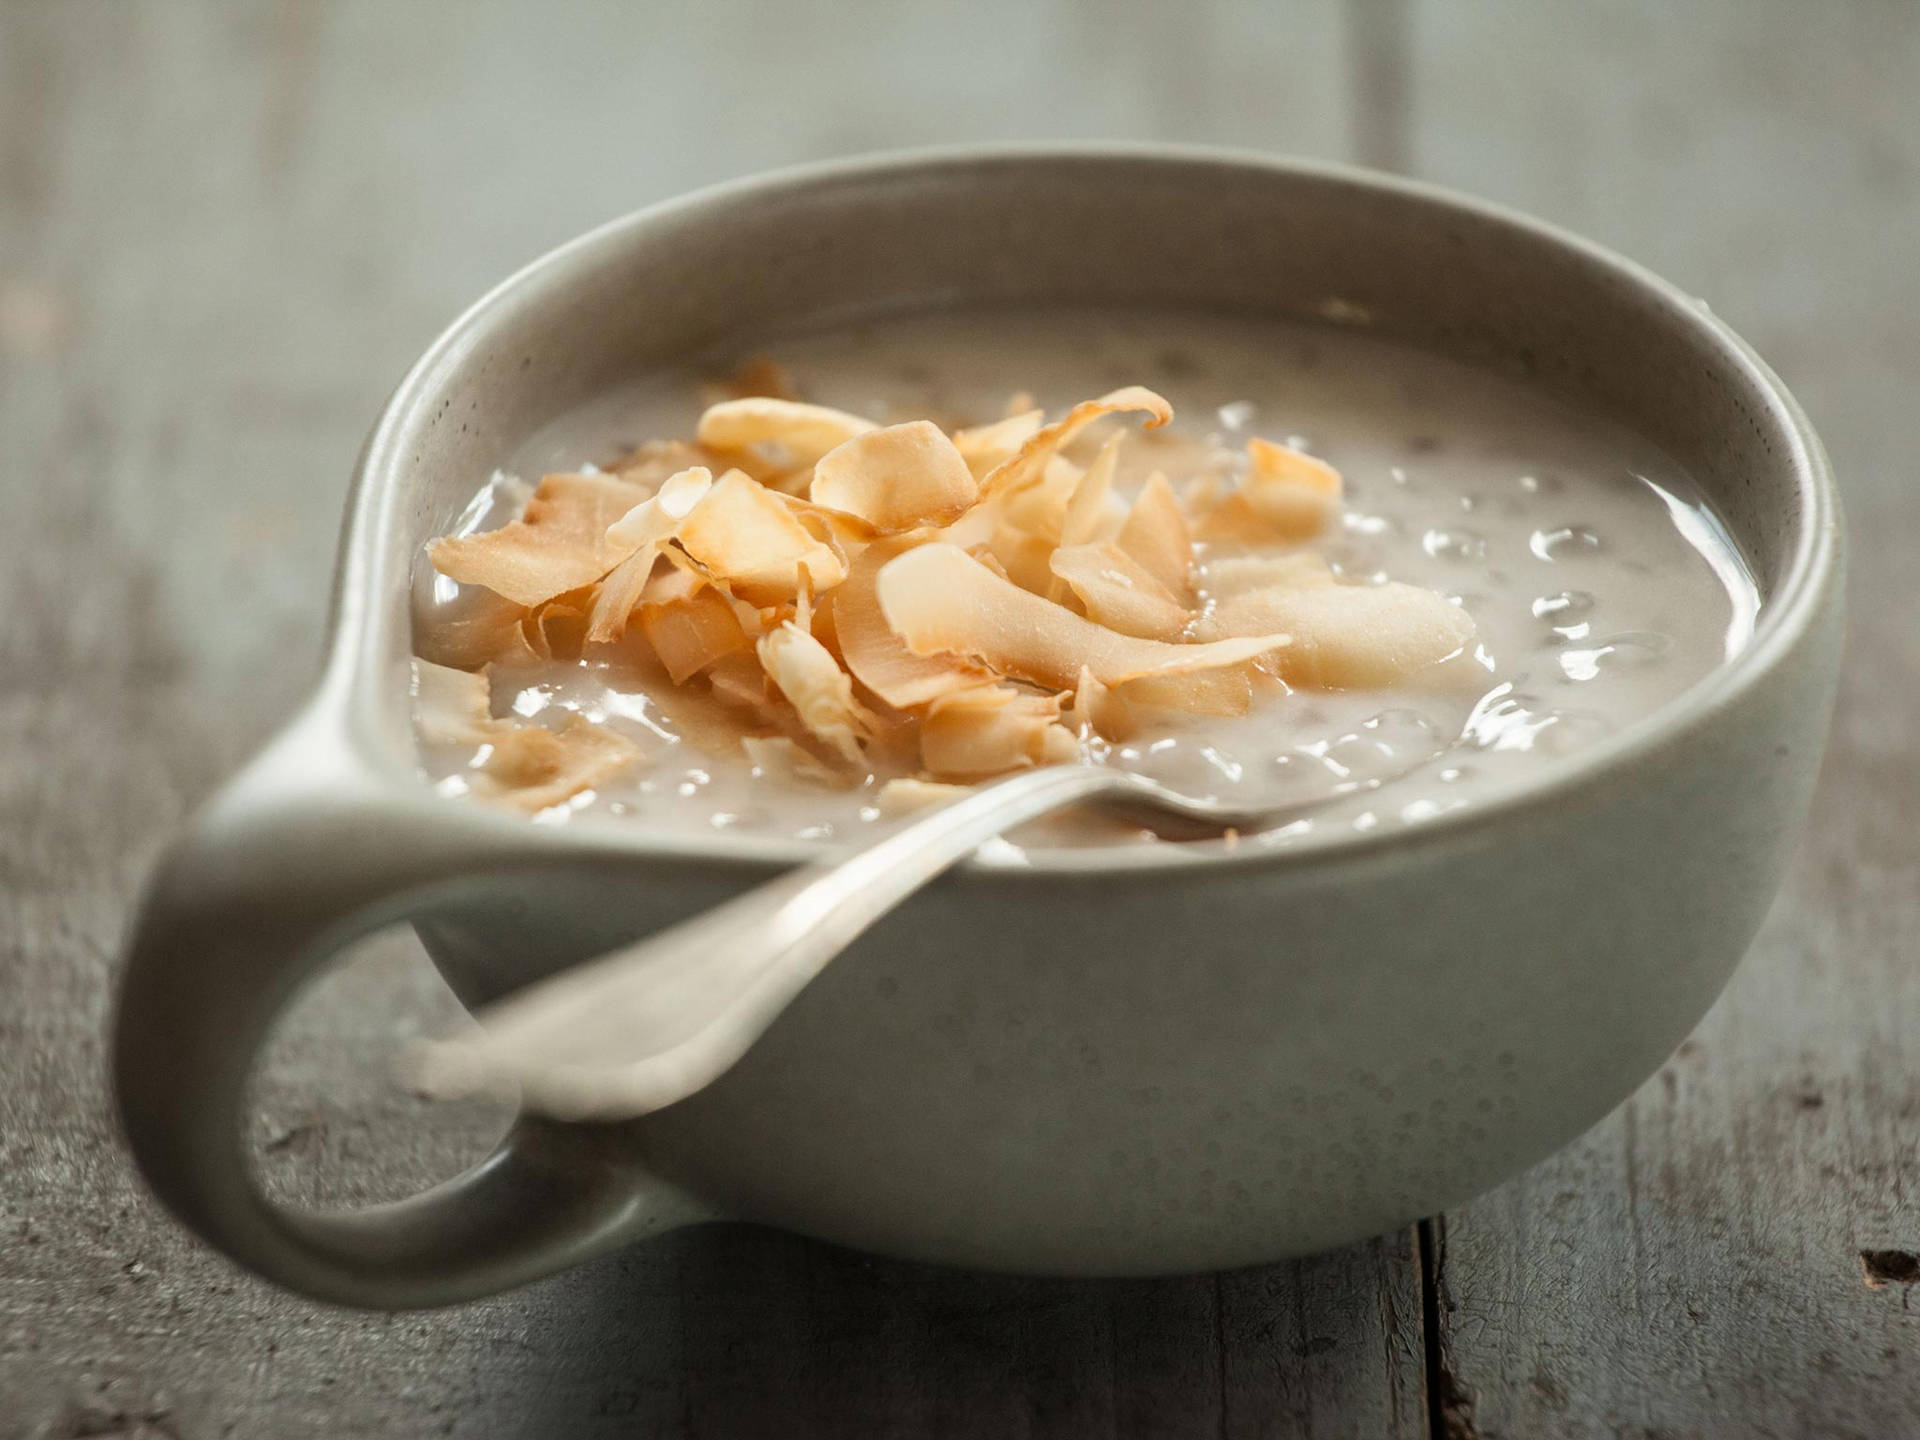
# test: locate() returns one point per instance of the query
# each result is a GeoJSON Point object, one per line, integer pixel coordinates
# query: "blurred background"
{"type": "Point", "coordinates": [225, 231]}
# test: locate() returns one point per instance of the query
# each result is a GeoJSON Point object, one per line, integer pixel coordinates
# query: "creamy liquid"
{"type": "Point", "coordinates": [1601, 584]}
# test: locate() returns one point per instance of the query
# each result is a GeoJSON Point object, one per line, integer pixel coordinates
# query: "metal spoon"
{"type": "Point", "coordinates": [652, 1023]}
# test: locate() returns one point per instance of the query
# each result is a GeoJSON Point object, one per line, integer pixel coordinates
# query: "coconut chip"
{"type": "Point", "coordinates": [878, 658]}
{"type": "Point", "coordinates": [748, 538]}
{"type": "Point", "coordinates": [559, 544]}
{"type": "Point", "coordinates": [1286, 495]}
{"type": "Point", "coordinates": [993, 729]}
{"type": "Point", "coordinates": [821, 693]}
{"type": "Point", "coordinates": [895, 479]}
{"type": "Point", "coordinates": [1348, 636]}
{"type": "Point", "coordinates": [522, 764]}
{"type": "Point", "coordinates": [1029, 462]}
{"type": "Point", "coordinates": [1119, 592]}
{"type": "Point", "coordinates": [940, 600]}
{"type": "Point", "coordinates": [803, 432]}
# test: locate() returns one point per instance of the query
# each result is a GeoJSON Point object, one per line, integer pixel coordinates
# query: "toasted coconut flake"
{"type": "Point", "coordinates": [525, 765]}
{"type": "Point", "coordinates": [1226, 691]}
{"type": "Point", "coordinates": [560, 544]}
{"type": "Point", "coordinates": [1236, 574]}
{"type": "Point", "coordinates": [533, 768]}
{"type": "Point", "coordinates": [1287, 495]}
{"type": "Point", "coordinates": [939, 599]}
{"type": "Point", "coordinates": [803, 432]}
{"type": "Point", "coordinates": [1023, 557]}
{"type": "Point", "coordinates": [895, 479]}
{"type": "Point", "coordinates": [481, 627]}
{"type": "Point", "coordinates": [1349, 636]}
{"type": "Point", "coordinates": [1086, 512]}
{"type": "Point", "coordinates": [451, 707]}
{"type": "Point", "coordinates": [1030, 461]}
{"type": "Point", "coordinates": [1119, 592]}
{"type": "Point", "coordinates": [558, 629]}
{"type": "Point", "coordinates": [820, 692]}
{"type": "Point", "coordinates": [647, 526]}
{"type": "Point", "coordinates": [993, 729]}
{"type": "Point", "coordinates": [1099, 710]}
{"type": "Point", "coordinates": [689, 633]}
{"type": "Point", "coordinates": [987, 446]}
{"type": "Point", "coordinates": [750, 540]}
{"type": "Point", "coordinates": [906, 795]}
{"type": "Point", "coordinates": [878, 658]}
{"type": "Point", "coordinates": [1156, 535]}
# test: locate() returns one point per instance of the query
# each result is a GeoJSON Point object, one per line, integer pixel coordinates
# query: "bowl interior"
{"type": "Point", "coordinates": [1172, 229]}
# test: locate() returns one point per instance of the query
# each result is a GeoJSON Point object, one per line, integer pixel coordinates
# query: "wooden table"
{"type": "Point", "coordinates": [225, 230]}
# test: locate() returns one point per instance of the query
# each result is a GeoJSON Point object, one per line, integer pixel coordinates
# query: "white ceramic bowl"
{"type": "Point", "coordinates": [1115, 1062]}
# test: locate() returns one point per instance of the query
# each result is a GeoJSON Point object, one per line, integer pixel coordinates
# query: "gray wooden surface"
{"type": "Point", "coordinates": [225, 230]}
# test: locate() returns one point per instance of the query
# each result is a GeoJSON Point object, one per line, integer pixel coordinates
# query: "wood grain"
{"type": "Point", "coordinates": [224, 231]}
{"type": "Point", "coordinates": [1693, 1266]}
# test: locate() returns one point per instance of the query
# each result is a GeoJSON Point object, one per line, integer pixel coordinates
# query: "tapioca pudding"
{"type": "Point", "coordinates": [1255, 561]}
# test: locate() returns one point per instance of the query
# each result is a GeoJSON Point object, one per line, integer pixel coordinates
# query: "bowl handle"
{"type": "Point", "coordinates": [303, 853]}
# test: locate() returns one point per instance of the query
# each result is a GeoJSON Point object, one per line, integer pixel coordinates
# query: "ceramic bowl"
{"type": "Point", "coordinates": [1112, 1062]}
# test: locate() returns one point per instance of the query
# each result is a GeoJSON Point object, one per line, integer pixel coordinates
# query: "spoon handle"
{"type": "Point", "coordinates": [652, 1023]}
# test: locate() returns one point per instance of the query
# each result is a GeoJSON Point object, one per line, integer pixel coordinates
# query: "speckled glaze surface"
{"type": "Point", "coordinates": [1126, 1062]}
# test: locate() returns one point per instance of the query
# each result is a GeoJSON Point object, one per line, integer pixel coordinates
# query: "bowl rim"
{"type": "Point", "coordinates": [356, 681]}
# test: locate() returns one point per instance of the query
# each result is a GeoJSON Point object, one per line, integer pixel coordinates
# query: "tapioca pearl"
{"type": "Point", "coordinates": [824, 830]}
{"type": "Point", "coordinates": [1567, 634]}
{"type": "Point", "coordinates": [1468, 502]}
{"type": "Point", "coordinates": [1562, 606]}
{"type": "Point", "coordinates": [1237, 415]}
{"type": "Point", "coordinates": [1355, 522]}
{"type": "Point", "coordinates": [1568, 542]}
{"type": "Point", "coordinates": [1631, 649]}
{"type": "Point", "coordinates": [1528, 484]}
{"type": "Point", "coordinates": [1455, 543]}
{"type": "Point", "coordinates": [1453, 774]}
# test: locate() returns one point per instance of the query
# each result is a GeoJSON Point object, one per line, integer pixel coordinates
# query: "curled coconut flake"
{"type": "Point", "coordinates": [1029, 462]}
{"type": "Point", "coordinates": [749, 539]}
{"type": "Point", "coordinates": [1349, 636]}
{"type": "Point", "coordinates": [1198, 692]}
{"type": "Point", "coordinates": [895, 479]}
{"type": "Point", "coordinates": [480, 627]}
{"type": "Point", "coordinates": [804, 671]}
{"type": "Point", "coordinates": [521, 764]}
{"type": "Point", "coordinates": [533, 768]}
{"type": "Point", "coordinates": [940, 600]}
{"type": "Point", "coordinates": [986, 446]}
{"type": "Point", "coordinates": [1119, 592]}
{"type": "Point", "coordinates": [689, 624]}
{"type": "Point", "coordinates": [1286, 495]}
{"type": "Point", "coordinates": [1156, 536]}
{"type": "Point", "coordinates": [1097, 709]}
{"type": "Point", "coordinates": [804, 432]}
{"type": "Point", "coordinates": [994, 729]}
{"type": "Point", "coordinates": [559, 544]}
{"type": "Point", "coordinates": [878, 658]}
{"type": "Point", "coordinates": [1086, 513]}
{"type": "Point", "coordinates": [647, 527]}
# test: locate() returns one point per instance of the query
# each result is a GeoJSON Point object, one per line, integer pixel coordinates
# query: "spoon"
{"type": "Point", "coordinates": [641, 1027]}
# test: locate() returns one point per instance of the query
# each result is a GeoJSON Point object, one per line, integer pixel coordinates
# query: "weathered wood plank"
{"type": "Point", "coordinates": [1693, 1266]}
{"type": "Point", "coordinates": [224, 230]}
